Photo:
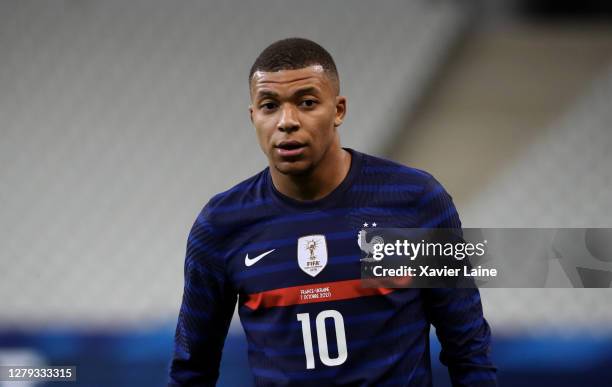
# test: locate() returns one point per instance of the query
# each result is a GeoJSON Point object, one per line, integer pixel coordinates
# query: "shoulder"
{"type": "Point", "coordinates": [384, 171]}
{"type": "Point", "coordinates": [434, 203]}
{"type": "Point", "coordinates": [414, 187]}
{"type": "Point", "coordinates": [246, 194]}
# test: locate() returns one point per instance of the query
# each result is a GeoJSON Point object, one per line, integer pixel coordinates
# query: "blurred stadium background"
{"type": "Point", "coordinates": [119, 120]}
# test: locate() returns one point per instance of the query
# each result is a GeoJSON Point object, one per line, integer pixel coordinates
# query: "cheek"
{"type": "Point", "coordinates": [263, 133]}
{"type": "Point", "coordinates": [261, 137]}
{"type": "Point", "coordinates": [325, 126]}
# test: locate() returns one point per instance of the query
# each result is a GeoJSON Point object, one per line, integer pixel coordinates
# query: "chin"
{"type": "Point", "coordinates": [296, 168]}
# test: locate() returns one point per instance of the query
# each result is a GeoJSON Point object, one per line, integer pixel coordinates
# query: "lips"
{"type": "Point", "coordinates": [290, 148]}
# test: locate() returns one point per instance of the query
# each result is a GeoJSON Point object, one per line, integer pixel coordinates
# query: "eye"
{"type": "Point", "coordinates": [268, 106]}
{"type": "Point", "coordinates": [308, 103]}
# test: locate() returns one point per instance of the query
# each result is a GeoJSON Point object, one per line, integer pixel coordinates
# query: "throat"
{"type": "Point", "coordinates": [316, 184]}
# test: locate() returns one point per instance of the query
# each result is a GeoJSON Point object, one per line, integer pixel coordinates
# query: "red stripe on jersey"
{"type": "Point", "coordinates": [306, 294]}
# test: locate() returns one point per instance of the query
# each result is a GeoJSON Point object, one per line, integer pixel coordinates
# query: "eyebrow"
{"type": "Point", "coordinates": [271, 94]}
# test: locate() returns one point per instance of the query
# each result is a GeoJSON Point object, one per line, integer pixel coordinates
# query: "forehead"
{"type": "Point", "coordinates": [287, 80]}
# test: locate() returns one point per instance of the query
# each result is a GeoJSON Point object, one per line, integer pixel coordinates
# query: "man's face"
{"type": "Point", "coordinates": [295, 113]}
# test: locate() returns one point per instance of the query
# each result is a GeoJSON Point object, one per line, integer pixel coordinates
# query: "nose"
{"type": "Point", "coordinates": [288, 121]}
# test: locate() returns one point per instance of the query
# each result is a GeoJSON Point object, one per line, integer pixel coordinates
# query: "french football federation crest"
{"type": "Point", "coordinates": [368, 247]}
{"type": "Point", "coordinates": [312, 254]}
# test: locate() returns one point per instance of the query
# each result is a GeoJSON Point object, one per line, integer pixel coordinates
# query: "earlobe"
{"type": "Point", "coordinates": [338, 121]}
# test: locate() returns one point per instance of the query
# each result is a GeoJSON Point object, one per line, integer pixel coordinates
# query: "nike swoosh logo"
{"type": "Point", "coordinates": [252, 261]}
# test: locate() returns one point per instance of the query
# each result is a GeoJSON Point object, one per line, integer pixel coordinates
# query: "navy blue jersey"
{"type": "Point", "coordinates": [294, 269]}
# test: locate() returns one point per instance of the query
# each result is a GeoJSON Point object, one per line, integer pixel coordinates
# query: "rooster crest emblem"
{"type": "Point", "coordinates": [368, 247]}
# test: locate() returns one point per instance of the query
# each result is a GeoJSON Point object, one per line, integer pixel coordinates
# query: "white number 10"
{"type": "Point", "coordinates": [304, 318]}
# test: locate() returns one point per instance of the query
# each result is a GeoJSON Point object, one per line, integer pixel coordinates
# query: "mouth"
{"type": "Point", "coordinates": [290, 148]}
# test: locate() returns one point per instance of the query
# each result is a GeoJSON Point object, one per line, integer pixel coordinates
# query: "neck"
{"type": "Point", "coordinates": [321, 181]}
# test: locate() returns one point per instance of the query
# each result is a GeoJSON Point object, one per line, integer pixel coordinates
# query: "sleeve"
{"type": "Point", "coordinates": [206, 310]}
{"type": "Point", "coordinates": [457, 313]}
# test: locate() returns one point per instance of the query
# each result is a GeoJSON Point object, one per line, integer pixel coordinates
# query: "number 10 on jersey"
{"type": "Point", "coordinates": [304, 318]}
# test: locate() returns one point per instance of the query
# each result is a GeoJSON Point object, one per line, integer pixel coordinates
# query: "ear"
{"type": "Point", "coordinates": [251, 113]}
{"type": "Point", "coordinates": [340, 110]}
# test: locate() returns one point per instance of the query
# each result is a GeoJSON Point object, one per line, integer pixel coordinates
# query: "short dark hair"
{"type": "Point", "coordinates": [294, 54]}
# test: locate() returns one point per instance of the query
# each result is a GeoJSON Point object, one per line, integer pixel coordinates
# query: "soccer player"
{"type": "Point", "coordinates": [283, 244]}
